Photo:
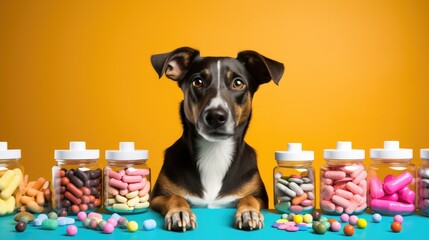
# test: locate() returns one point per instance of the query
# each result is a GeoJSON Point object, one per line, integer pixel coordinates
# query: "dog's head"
{"type": "Point", "coordinates": [218, 91]}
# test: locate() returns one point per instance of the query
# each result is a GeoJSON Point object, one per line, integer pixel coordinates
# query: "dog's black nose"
{"type": "Point", "coordinates": [215, 117]}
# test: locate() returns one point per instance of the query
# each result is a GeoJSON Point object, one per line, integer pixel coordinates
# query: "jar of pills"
{"type": "Point", "coordinates": [343, 182]}
{"type": "Point", "coordinates": [423, 183]}
{"type": "Point", "coordinates": [391, 180]}
{"type": "Point", "coordinates": [77, 179]}
{"type": "Point", "coordinates": [11, 173]}
{"type": "Point", "coordinates": [126, 180]}
{"type": "Point", "coordinates": [294, 180]}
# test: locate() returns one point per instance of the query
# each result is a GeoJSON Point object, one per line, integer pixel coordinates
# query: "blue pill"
{"type": "Point", "coordinates": [149, 224]}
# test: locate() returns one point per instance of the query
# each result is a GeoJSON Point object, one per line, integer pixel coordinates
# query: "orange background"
{"type": "Point", "coordinates": [80, 70]}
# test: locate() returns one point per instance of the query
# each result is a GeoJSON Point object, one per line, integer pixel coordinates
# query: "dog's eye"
{"type": "Point", "coordinates": [197, 83]}
{"type": "Point", "coordinates": [238, 84]}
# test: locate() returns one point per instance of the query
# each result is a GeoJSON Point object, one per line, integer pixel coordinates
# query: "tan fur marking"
{"type": "Point", "coordinates": [242, 112]}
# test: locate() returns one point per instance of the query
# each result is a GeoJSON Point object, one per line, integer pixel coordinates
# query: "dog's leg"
{"type": "Point", "coordinates": [176, 211]}
{"type": "Point", "coordinates": [248, 215]}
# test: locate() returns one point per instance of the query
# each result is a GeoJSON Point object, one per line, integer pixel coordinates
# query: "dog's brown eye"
{"type": "Point", "coordinates": [238, 84]}
{"type": "Point", "coordinates": [197, 83]}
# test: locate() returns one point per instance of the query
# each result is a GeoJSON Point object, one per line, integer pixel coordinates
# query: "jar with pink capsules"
{"type": "Point", "coordinates": [126, 180]}
{"type": "Point", "coordinates": [391, 180]}
{"type": "Point", "coordinates": [294, 185]}
{"type": "Point", "coordinates": [343, 185]}
{"type": "Point", "coordinates": [423, 183]}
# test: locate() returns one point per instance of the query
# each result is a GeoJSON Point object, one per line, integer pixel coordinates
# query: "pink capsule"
{"type": "Point", "coordinates": [327, 181]}
{"type": "Point", "coordinates": [132, 179]}
{"type": "Point", "coordinates": [334, 175]}
{"type": "Point", "coordinates": [391, 197]}
{"type": "Point", "coordinates": [354, 188]}
{"type": "Point", "coordinates": [388, 178]}
{"type": "Point", "coordinates": [140, 172]}
{"type": "Point", "coordinates": [352, 207]}
{"type": "Point", "coordinates": [136, 186]}
{"type": "Point", "coordinates": [357, 172]}
{"type": "Point", "coordinates": [116, 183]}
{"type": "Point", "coordinates": [327, 205]}
{"type": "Point", "coordinates": [339, 209]}
{"type": "Point", "coordinates": [364, 186]}
{"type": "Point", "coordinates": [327, 193]}
{"type": "Point", "coordinates": [341, 201]}
{"type": "Point", "coordinates": [406, 195]}
{"type": "Point", "coordinates": [390, 207]}
{"type": "Point", "coordinates": [360, 177]}
{"type": "Point", "coordinates": [114, 174]}
{"type": "Point", "coordinates": [398, 183]}
{"type": "Point", "coordinates": [343, 193]}
{"type": "Point", "coordinates": [376, 188]}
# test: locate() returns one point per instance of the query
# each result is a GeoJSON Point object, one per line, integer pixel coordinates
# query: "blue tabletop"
{"type": "Point", "coordinates": [218, 224]}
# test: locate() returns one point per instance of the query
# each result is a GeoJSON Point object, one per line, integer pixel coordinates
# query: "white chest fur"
{"type": "Point", "coordinates": [213, 161]}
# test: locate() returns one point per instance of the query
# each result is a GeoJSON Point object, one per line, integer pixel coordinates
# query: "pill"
{"type": "Point", "coordinates": [354, 188]}
{"type": "Point", "coordinates": [307, 187]}
{"type": "Point", "coordinates": [294, 187]}
{"type": "Point", "coordinates": [334, 175]}
{"type": "Point", "coordinates": [277, 175]}
{"type": "Point", "coordinates": [327, 193]}
{"type": "Point", "coordinates": [327, 206]}
{"type": "Point", "coordinates": [40, 199]}
{"type": "Point", "coordinates": [358, 170]}
{"type": "Point", "coordinates": [108, 228]}
{"type": "Point", "coordinates": [306, 202]}
{"type": "Point", "coordinates": [92, 182]}
{"type": "Point", "coordinates": [352, 207]}
{"type": "Point", "coordinates": [120, 207]}
{"type": "Point", "coordinates": [132, 194]}
{"type": "Point", "coordinates": [65, 221]}
{"type": "Point", "coordinates": [396, 227]}
{"type": "Point", "coordinates": [82, 175]}
{"type": "Point", "coordinates": [362, 176]}
{"type": "Point", "coordinates": [118, 184]}
{"type": "Point", "coordinates": [132, 179]}
{"type": "Point", "coordinates": [310, 195]}
{"type": "Point", "coordinates": [285, 190]}
{"type": "Point", "coordinates": [74, 190]}
{"type": "Point", "coordinates": [24, 217]}
{"type": "Point", "coordinates": [134, 171]}
{"type": "Point", "coordinates": [132, 226]}
{"type": "Point", "coordinates": [115, 216]}
{"type": "Point", "coordinates": [348, 230]}
{"type": "Point", "coordinates": [20, 226]}
{"type": "Point", "coordinates": [34, 207]}
{"type": "Point", "coordinates": [327, 181]}
{"type": "Point", "coordinates": [95, 215]}
{"type": "Point", "coordinates": [340, 201]}
{"type": "Point", "coordinates": [121, 199]}
{"type": "Point", "coordinates": [339, 209]}
{"type": "Point", "coordinates": [94, 173]}
{"type": "Point", "coordinates": [296, 180]}
{"type": "Point", "coordinates": [376, 188]}
{"type": "Point", "coordinates": [137, 186]}
{"type": "Point", "coordinates": [389, 207]}
{"type": "Point", "coordinates": [306, 180]}
{"type": "Point", "coordinates": [133, 202]}
{"type": "Point", "coordinates": [81, 216]}
{"type": "Point", "coordinates": [406, 195]}
{"type": "Point", "coordinates": [124, 192]}
{"type": "Point", "coordinates": [71, 230]}
{"type": "Point", "coordinates": [145, 189]}
{"type": "Point", "coordinates": [343, 193]}
{"type": "Point", "coordinates": [424, 172]}
{"type": "Point", "coordinates": [113, 174]}
{"type": "Point", "coordinates": [72, 198]}
{"type": "Point", "coordinates": [282, 181]}
{"type": "Point", "coordinates": [424, 183]}
{"type": "Point", "coordinates": [50, 224]}
{"type": "Point", "coordinates": [6, 178]}
{"type": "Point", "coordinates": [149, 224]}
{"type": "Point", "coordinates": [142, 205]}
{"type": "Point", "coordinates": [12, 184]}
{"type": "Point", "coordinates": [296, 209]}
{"type": "Point", "coordinates": [398, 183]}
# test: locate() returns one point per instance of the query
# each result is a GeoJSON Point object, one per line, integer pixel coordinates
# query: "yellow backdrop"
{"type": "Point", "coordinates": [80, 70]}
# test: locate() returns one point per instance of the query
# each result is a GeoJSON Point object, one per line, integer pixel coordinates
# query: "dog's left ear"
{"type": "Point", "coordinates": [174, 64]}
{"type": "Point", "coordinates": [261, 68]}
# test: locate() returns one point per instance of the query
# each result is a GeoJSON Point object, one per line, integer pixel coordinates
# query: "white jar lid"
{"type": "Point", "coordinates": [424, 154]}
{"type": "Point", "coordinates": [9, 153]}
{"type": "Point", "coordinates": [77, 151]}
{"type": "Point", "coordinates": [294, 153]}
{"type": "Point", "coordinates": [344, 151]}
{"type": "Point", "coordinates": [391, 150]}
{"type": "Point", "coordinates": [126, 152]}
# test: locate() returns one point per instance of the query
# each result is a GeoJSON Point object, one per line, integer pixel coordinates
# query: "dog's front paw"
{"type": "Point", "coordinates": [180, 220]}
{"type": "Point", "coordinates": [249, 219]}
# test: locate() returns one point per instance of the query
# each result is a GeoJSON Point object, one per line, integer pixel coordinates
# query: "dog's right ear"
{"type": "Point", "coordinates": [174, 64]}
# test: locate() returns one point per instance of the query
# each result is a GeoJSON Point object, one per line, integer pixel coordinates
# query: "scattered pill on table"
{"type": "Point", "coordinates": [376, 218]}
{"type": "Point", "coordinates": [396, 227]}
{"type": "Point", "coordinates": [348, 230]}
{"type": "Point", "coordinates": [20, 226]}
{"type": "Point", "coordinates": [71, 230]}
{"type": "Point", "coordinates": [132, 226]}
{"type": "Point", "coordinates": [361, 223]}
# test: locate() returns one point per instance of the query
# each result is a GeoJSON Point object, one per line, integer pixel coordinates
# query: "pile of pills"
{"type": "Point", "coordinates": [128, 190]}
{"type": "Point", "coordinates": [423, 190]}
{"type": "Point", "coordinates": [294, 193]}
{"type": "Point", "coordinates": [343, 189]}
{"type": "Point", "coordinates": [9, 182]}
{"type": "Point", "coordinates": [80, 189]}
{"type": "Point", "coordinates": [33, 196]}
{"type": "Point", "coordinates": [393, 195]}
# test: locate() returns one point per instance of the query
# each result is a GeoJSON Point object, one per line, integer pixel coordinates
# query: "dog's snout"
{"type": "Point", "coordinates": [215, 117]}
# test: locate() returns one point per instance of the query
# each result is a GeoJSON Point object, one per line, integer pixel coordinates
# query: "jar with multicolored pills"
{"type": "Point", "coordinates": [343, 185]}
{"type": "Point", "coordinates": [11, 174]}
{"type": "Point", "coordinates": [294, 185]}
{"type": "Point", "coordinates": [126, 180]}
{"type": "Point", "coordinates": [423, 183]}
{"type": "Point", "coordinates": [391, 180]}
{"type": "Point", "coordinates": [77, 179]}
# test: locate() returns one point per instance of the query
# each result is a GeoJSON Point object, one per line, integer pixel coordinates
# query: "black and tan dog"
{"type": "Point", "coordinates": [211, 165]}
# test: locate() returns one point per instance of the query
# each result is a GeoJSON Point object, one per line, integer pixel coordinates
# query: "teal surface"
{"type": "Point", "coordinates": [218, 224]}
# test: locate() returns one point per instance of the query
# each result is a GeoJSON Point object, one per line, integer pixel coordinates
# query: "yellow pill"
{"type": "Point", "coordinates": [6, 178]}
{"type": "Point", "coordinates": [13, 184]}
{"type": "Point", "coordinates": [132, 226]}
{"type": "Point", "coordinates": [297, 219]}
{"type": "Point", "coordinates": [282, 221]}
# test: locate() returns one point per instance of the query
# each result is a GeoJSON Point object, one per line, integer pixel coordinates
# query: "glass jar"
{"type": "Point", "coordinates": [391, 180]}
{"type": "Point", "coordinates": [11, 173]}
{"type": "Point", "coordinates": [126, 180]}
{"type": "Point", "coordinates": [294, 180]}
{"type": "Point", "coordinates": [343, 184]}
{"type": "Point", "coordinates": [423, 183]}
{"type": "Point", "coordinates": [77, 179]}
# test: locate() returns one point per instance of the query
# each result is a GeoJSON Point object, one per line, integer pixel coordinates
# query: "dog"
{"type": "Point", "coordinates": [211, 165]}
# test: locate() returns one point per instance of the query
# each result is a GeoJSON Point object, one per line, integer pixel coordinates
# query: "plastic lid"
{"type": "Point", "coordinates": [77, 151]}
{"type": "Point", "coordinates": [344, 151]}
{"type": "Point", "coordinates": [391, 150]}
{"type": "Point", "coordinates": [9, 153]}
{"type": "Point", "coordinates": [424, 154]}
{"type": "Point", "coordinates": [126, 152]}
{"type": "Point", "coordinates": [294, 153]}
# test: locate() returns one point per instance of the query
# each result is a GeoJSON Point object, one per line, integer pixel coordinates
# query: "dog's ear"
{"type": "Point", "coordinates": [174, 64]}
{"type": "Point", "coordinates": [261, 68]}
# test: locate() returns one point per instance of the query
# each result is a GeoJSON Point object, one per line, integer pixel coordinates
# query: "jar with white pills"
{"type": "Point", "coordinates": [423, 183]}
{"type": "Point", "coordinates": [391, 180]}
{"type": "Point", "coordinates": [126, 180]}
{"type": "Point", "coordinates": [11, 175]}
{"type": "Point", "coordinates": [77, 179]}
{"type": "Point", "coordinates": [343, 184]}
{"type": "Point", "coordinates": [294, 185]}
